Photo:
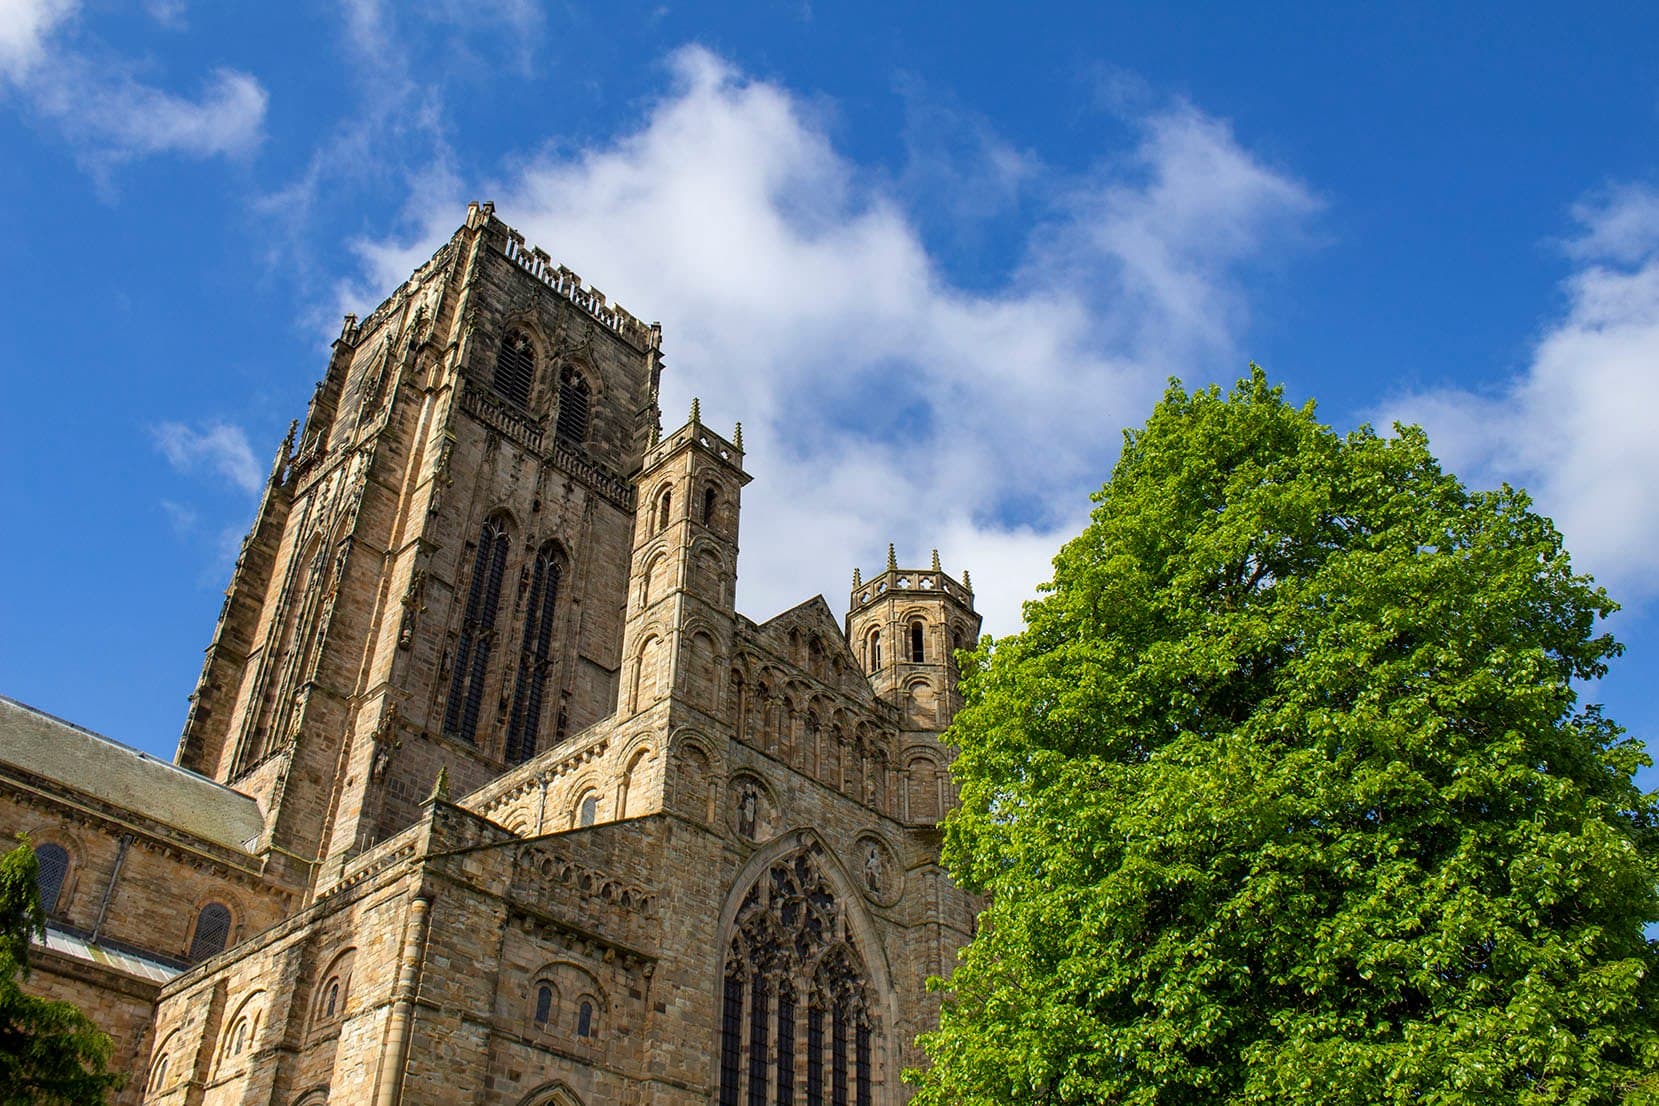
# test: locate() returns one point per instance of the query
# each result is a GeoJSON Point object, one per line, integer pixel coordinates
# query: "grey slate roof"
{"type": "Point", "coordinates": [92, 764]}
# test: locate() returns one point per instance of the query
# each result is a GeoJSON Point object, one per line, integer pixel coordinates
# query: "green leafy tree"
{"type": "Point", "coordinates": [50, 1053]}
{"type": "Point", "coordinates": [1284, 795]}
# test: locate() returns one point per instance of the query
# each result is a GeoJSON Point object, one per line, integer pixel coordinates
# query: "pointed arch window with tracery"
{"type": "Point", "coordinates": [472, 648]}
{"type": "Point", "coordinates": [797, 1023]}
{"type": "Point", "coordinates": [535, 661]}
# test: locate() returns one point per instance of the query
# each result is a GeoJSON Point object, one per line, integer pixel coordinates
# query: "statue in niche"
{"type": "Point", "coordinates": [873, 868]}
{"type": "Point", "coordinates": [746, 805]}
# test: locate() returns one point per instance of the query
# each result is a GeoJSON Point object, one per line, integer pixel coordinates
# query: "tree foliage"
{"type": "Point", "coordinates": [50, 1053]}
{"type": "Point", "coordinates": [1284, 794]}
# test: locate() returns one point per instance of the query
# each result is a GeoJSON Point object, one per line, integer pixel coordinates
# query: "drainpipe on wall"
{"type": "Point", "coordinates": [109, 889]}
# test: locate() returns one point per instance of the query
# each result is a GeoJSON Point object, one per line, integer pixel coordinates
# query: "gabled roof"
{"type": "Point", "coordinates": [48, 747]}
{"type": "Point", "coordinates": [812, 617]}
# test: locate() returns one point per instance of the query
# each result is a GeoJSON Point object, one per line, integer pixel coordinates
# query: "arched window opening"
{"type": "Point", "coordinates": [472, 649]}
{"type": "Point", "coordinates": [212, 931]}
{"type": "Point", "coordinates": [584, 1019]}
{"type": "Point", "coordinates": [158, 1074]}
{"type": "Point", "coordinates": [587, 811]}
{"type": "Point", "coordinates": [875, 650]}
{"type": "Point", "coordinates": [790, 956]}
{"type": "Point", "coordinates": [664, 503]}
{"type": "Point", "coordinates": [711, 506]}
{"type": "Point", "coordinates": [917, 634]}
{"type": "Point", "coordinates": [515, 368]}
{"type": "Point", "coordinates": [544, 1004]}
{"type": "Point", "coordinates": [535, 659]}
{"type": "Point", "coordinates": [575, 398]}
{"type": "Point", "coordinates": [53, 862]}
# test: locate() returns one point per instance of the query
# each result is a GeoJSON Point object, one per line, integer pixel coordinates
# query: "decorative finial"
{"type": "Point", "coordinates": [892, 559]}
{"type": "Point", "coordinates": [440, 786]}
{"type": "Point", "coordinates": [284, 451]}
{"type": "Point", "coordinates": [656, 433]}
{"type": "Point", "coordinates": [936, 560]}
{"type": "Point", "coordinates": [967, 581]}
{"type": "Point", "coordinates": [858, 579]}
{"type": "Point", "coordinates": [348, 328]}
{"type": "Point", "coordinates": [737, 436]}
{"type": "Point", "coordinates": [696, 411]}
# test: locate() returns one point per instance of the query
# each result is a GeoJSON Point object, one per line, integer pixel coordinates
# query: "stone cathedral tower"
{"type": "Point", "coordinates": [487, 792]}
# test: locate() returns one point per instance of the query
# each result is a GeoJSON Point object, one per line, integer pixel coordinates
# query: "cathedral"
{"type": "Point", "coordinates": [487, 793]}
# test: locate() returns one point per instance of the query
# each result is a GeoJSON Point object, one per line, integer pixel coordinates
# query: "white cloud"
{"type": "Point", "coordinates": [220, 450]}
{"type": "Point", "coordinates": [1579, 427]}
{"type": "Point", "coordinates": [110, 116]}
{"type": "Point", "coordinates": [25, 27]}
{"type": "Point", "coordinates": [880, 401]}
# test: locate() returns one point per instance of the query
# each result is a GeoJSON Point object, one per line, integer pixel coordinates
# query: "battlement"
{"type": "Point", "coordinates": [535, 261]}
{"type": "Point", "coordinates": [913, 581]}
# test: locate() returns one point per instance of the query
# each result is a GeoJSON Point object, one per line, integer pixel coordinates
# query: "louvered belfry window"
{"type": "Point", "coordinates": [574, 397]}
{"type": "Point", "coordinates": [515, 368]}
{"type": "Point", "coordinates": [535, 658]}
{"type": "Point", "coordinates": [791, 948]}
{"type": "Point", "coordinates": [472, 650]}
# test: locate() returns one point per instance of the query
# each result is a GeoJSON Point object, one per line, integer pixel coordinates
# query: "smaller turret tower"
{"type": "Point", "coordinates": [904, 625]}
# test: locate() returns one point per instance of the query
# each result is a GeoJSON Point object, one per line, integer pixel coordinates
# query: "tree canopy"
{"type": "Point", "coordinates": [50, 1053]}
{"type": "Point", "coordinates": [1285, 794]}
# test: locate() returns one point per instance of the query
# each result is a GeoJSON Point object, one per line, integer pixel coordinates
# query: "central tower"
{"type": "Point", "coordinates": [437, 569]}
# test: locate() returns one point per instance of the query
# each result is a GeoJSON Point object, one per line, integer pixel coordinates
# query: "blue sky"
{"type": "Point", "coordinates": [935, 264]}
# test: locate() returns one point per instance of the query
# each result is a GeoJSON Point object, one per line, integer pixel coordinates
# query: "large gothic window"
{"type": "Point", "coordinates": [515, 368]}
{"type": "Point", "coordinates": [796, 1022]}
{"type": "Point", "coordinates": [535, 658]}
{"type": "Point", "coordinates": [472, 650]}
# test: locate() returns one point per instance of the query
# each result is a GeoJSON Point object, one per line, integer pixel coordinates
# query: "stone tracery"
{"type": "Point", "coordinates": [796, 1016]}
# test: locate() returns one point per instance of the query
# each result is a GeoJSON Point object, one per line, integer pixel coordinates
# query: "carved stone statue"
{"type": "Point", "coordinates": [873, 868]}
{"type": "Point", "coordinates": [746, 812]}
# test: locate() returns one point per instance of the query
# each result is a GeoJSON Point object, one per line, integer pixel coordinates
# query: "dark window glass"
{"type": "Point", "coordinates": [863, 1046]}
{"type": "Point", "coordinates": [584, 1020]}
{"type": "Point", "coordinates": [333, 1002]}
{"type": "Point", "coordinates": [758, 1013]}
{"type": "Point", "coordinates": [535, 659]}
{"type": "Point", "coordinates": [664, 505]}
{"type": "Point", "coordinates": [711, 503]}
{"type": "Point", "coordinates": [212, 931]}
{"type": "Point", "coordinates": [838, 1090]}
{"type": "Point", "coordinates": [815, 1055]}
{"type": "Point", "coordinates": [574, 397]}
{"type": "Point", "coordinates": [786, 1046]}
{"type": "Point", "coordinates": [54, 869]}
{"type": "Point", "coordinates": [875, 650]}
{"type": "Point", "coordinates": [731, 1040]}
{"type": "Point", "coordinates": [515, 368]}
{"type": "Point", "coordinates": [916, 641]}
{"type": "Point", "coordinates": [472, 649]}
{"type": "Point", "coordinates": [544, 1004]}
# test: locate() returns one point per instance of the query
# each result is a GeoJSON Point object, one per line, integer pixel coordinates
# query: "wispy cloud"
{"type": "Point", "coordinates": [219, 450]}
{"type": "Point", "coordinates": [881, 401]}
{"type": "Point", "coordinates": [1578, 427]}
{"type": "Point", "coordinates": [107, 114]}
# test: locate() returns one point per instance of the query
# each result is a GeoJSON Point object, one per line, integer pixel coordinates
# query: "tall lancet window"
{"type": "Point", "coordinates": [472, 650]}
{"type": "Point", "coordinates": [796, 1026]}
{"type": "Point", "coordinates": [535, 658]}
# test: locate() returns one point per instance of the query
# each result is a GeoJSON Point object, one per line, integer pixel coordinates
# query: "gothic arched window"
{"type": "Point", "coordinates": [535, 658]}
{"type": "Point", "coordinates": [875, 650]}
{"type": "Point", "coordinates": [544, 1004]}
{"type": "Point", "coordinates": [796, 1018]}
{"type": "Point", "coordinates": [664, 504]}
{"type": "Point", "coordinates": [472, 650]}
{"type": "Point", "coordinates": [515, 368]}
{"type": "Point", "coordinates": [916, 639]}
{"type": "Point", "coordinates": [711, 506]}
{"type": "Point", "coordinates": [575, 396]}
{"type": "Point", "coordinates": [53, 863]}
{"type": "Point", "coordinates": [212, 931]}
